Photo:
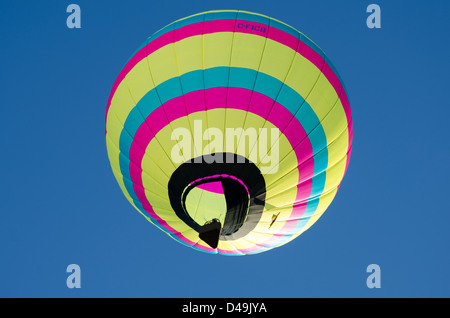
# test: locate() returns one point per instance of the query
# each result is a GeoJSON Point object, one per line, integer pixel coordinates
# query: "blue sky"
{"type": "Point", "coordinates": [60, 203]}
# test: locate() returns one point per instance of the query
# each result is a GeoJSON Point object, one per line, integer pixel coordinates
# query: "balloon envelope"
{"type": "Point", "coordinates": [231, 121]}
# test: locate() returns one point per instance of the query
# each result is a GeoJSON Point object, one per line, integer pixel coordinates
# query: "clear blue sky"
{"type": "Point", "coordinates": [60, 203]}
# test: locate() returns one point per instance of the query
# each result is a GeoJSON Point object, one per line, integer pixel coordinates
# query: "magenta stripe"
{"type": "Point", "coordinates": [303, 149]}
{"type": "Point", "coordinates": [174, 109]}
{"type": "Point", "coordinates": [195, 101]}
{"type": "Point", "coordinates": [230, 26]}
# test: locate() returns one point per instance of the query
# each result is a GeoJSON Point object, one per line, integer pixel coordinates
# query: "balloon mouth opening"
{"type": "Point", "coordinates": [206, 182]}
{"type": "Point", "coordinates": [218, 199]}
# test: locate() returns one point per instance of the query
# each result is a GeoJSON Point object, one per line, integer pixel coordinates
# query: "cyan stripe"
{"type": "Point", "coordinates": [253, 18]}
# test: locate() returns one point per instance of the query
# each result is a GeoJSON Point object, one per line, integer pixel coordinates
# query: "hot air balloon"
{"type": "Point", "coordinates": [230, 131]}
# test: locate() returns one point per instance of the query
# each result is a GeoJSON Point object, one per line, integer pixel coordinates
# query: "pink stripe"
{"type": "Point", "coordinates": [216, 97]}
{"type": "Point", "coordinates": [218, 26]}
{"type": "Point", "coordinates": [175, 108]}
{"type": "Point", "coordinates": [349, 152]}
{"type": "Point", "coordinates": [142, 137]}
{"type": "Point", "coordinates": [195, 101]}
{"type": "Point", "coordinates": [303, 149]}
{"type": "Point", "coordinates": [239, 97]}
{"type": "Point", "coordinates": [261, 105]}
{"type": "Point", "coordinates": [158, 119]}
{"type": "Point", "coordinates": [348, 113]}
